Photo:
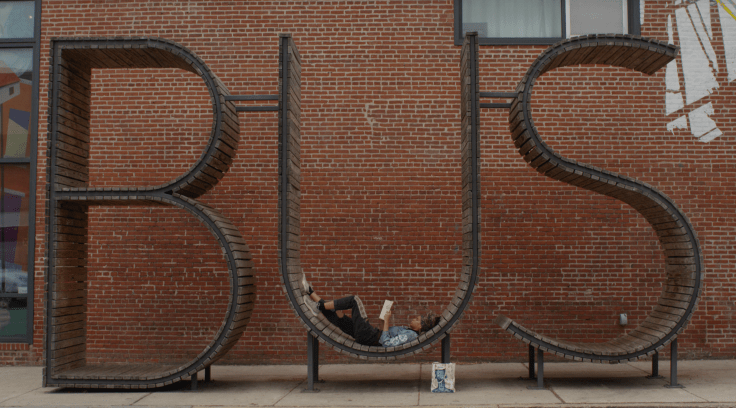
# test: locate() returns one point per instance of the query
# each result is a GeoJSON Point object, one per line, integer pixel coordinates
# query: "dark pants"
{"type": "Point", "coordinates": [343, 323]}
{"type": "Point", "coordinates": [363, 332]}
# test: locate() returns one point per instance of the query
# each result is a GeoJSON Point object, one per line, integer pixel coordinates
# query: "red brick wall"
{"type": "Point", "coordinates": [381, 182]}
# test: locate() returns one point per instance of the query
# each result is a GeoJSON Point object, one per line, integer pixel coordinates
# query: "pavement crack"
{"type": "Point", "coordinates": [556, 394]}
{"type": "Point", "coordinates": [19, 395]}
{"type": "Point", "coordinates": [696, 396]}
{"type": "Point", "coordinates": [139, 399]}
{"type": "Point", "coordinates": [289, 393]}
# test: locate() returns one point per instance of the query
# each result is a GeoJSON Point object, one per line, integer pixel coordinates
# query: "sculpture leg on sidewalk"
{"type": "Point", "coordinates": [673, 366]}
{"type": "Point", "coordinates": [531, 363]}
{"type": "Point", "coordinates": [655, 367]}
{"type": "Point", "coordinates": [540, 371]}
{"type": "Point", "coordinates": [446, 350]}
{"type": "Point", "coordinates": [312, 363]}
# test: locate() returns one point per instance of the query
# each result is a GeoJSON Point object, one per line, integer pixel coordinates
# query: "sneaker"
{"type": "Point", "coordinates": [311, 305]}
{"type": "Point", "coordinates": [304, 285]}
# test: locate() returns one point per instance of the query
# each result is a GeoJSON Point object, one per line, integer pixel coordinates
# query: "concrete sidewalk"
{"type": "Point", "coordinates": [707, 384]}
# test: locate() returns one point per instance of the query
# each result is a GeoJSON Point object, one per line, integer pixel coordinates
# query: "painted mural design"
{"type": "Point", "coordinates": [686, 98]}
{"type": "Point", "coordinates": [16, 85]}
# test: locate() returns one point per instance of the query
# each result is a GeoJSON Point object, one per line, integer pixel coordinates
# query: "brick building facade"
{"type": "Point", "coordinates": [381, 198]}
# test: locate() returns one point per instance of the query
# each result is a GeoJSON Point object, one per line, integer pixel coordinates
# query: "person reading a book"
{"type": "Point", "coordinates": [358, 326]}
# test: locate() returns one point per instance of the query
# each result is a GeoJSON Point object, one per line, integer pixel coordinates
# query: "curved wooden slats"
{"type": "Point", "coordinates": [683, 258]}
{"type": "Point", "coordinates": [75, 60]}
{"type": "Point", "coordinates": [242, 298]}
{"type": "Point", "coordinates": [70, 196]}
{"type": "Point", "coordinates": [289, 207]}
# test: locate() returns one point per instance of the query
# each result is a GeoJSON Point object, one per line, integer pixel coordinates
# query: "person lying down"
{"type": "Point", "coordinates": [358, 327]}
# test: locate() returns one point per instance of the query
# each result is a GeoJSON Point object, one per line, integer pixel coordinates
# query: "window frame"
{"type": "Point", "coordinates": [632, 20]}
{"type": "Point", "coordinates": [34, 43]}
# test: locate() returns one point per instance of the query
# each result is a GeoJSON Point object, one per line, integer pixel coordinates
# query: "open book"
{"type": "Point", "coordinates": [386, 307]}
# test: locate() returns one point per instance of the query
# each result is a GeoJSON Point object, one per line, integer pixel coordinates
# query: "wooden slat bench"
{"type": "Point", "coordinates": [290, 205]}
{"type": "Point", "coordinates": [70, 197]}
{"type": "Point", "coordinates": [683, 258]}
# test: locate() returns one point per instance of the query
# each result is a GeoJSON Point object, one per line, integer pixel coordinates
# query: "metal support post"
{"type": "Point", "coordinates": [655, 367]}
{"type": "Point", "coordinates": [208, 374]}
{"type": "Point", "coordinates": [673, 366]}
{"type": "Point", "coordinates": [531, 363]}
{"type": "Point", "coordinates": [312, 363]}
{"type": "Point", "coordinates": [540, 371]}
{"type": "Point", "coordinates": [446, 349]}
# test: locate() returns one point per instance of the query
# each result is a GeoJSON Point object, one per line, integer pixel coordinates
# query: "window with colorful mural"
{"type": "Point", "coordinates": [19, 33]}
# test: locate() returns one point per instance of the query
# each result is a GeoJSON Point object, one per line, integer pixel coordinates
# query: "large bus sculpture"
{"type": "Point", "coordinates": [70, 196]}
